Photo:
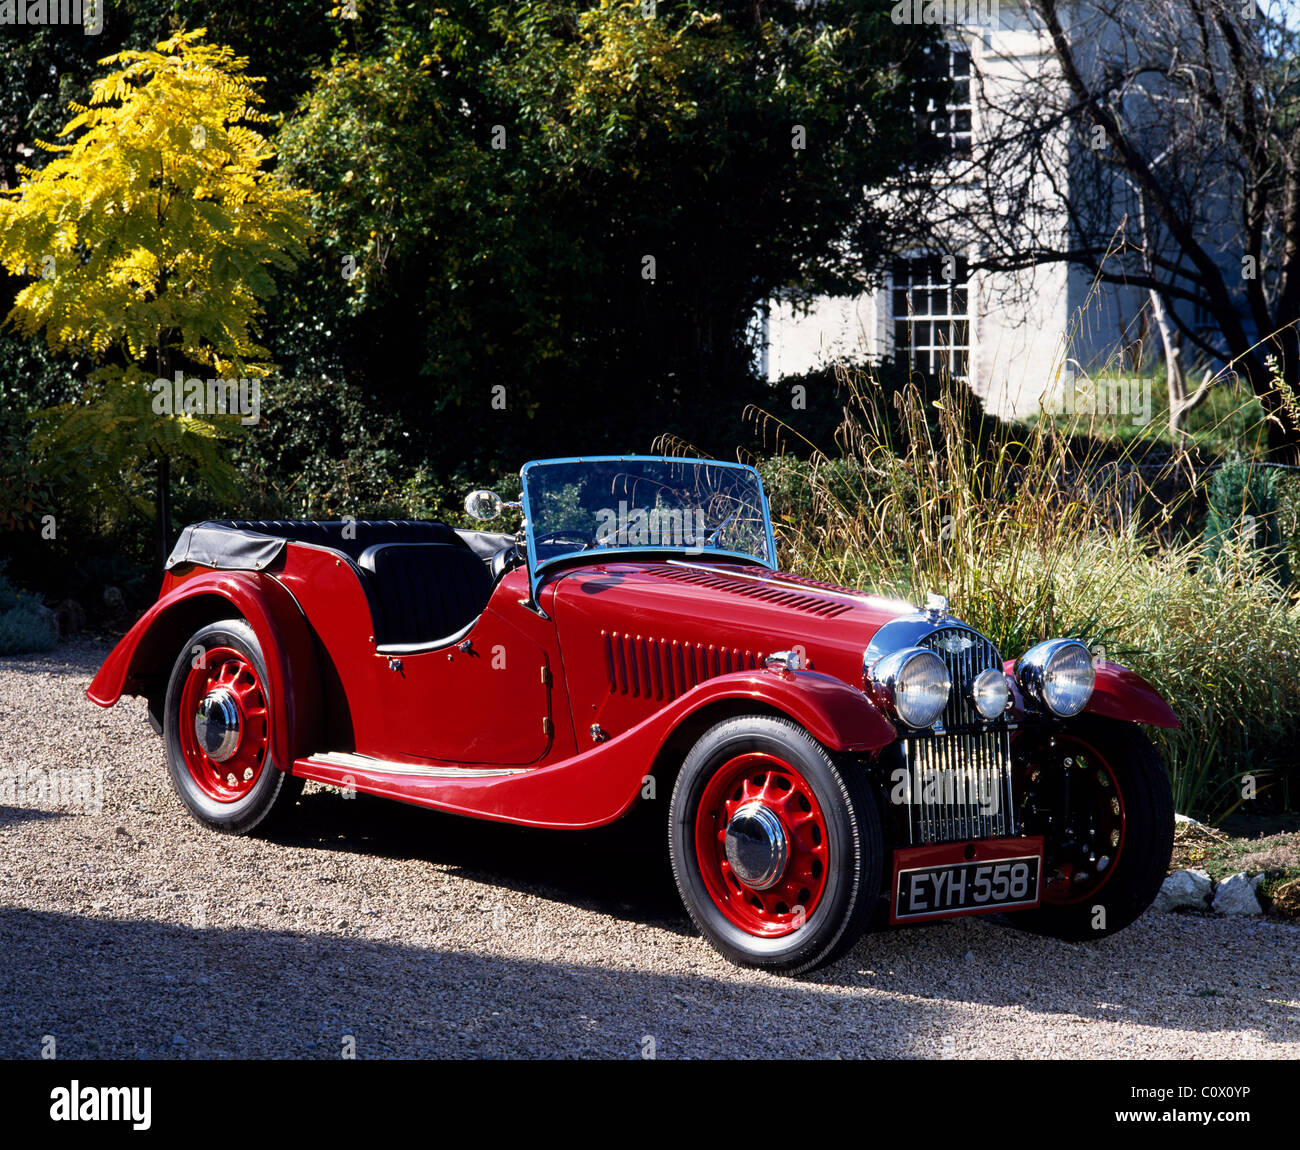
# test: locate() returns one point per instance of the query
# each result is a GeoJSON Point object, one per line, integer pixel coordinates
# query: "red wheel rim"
{"type": "Point", "coordinates": [223, 669]}
{"type": "Point", "coordinates": [783, 907]}
{"type": "Point", "coordinates": [1102, 793]}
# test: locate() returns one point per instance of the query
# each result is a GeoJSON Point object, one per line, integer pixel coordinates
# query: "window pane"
{"type": "Point", "coordinates": [929, 313]}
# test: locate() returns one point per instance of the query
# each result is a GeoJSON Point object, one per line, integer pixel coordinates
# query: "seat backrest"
{"type": "Point", "coordinates": [424, 592]}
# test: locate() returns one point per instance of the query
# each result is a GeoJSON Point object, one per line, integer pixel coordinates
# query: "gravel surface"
{"type": "Point", "coordinates": [131, 931]}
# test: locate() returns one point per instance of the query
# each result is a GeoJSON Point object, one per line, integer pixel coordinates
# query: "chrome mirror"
{"type": "Point", "coordinates": [483, 505]}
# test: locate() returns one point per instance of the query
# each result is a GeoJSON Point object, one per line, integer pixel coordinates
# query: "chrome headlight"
{"type": "Point", "coordinates": [1059, 675]}
{"type": "Point", "coordinates": [916, 683]}
{"type": "Point", "coordinates": [990, 693]}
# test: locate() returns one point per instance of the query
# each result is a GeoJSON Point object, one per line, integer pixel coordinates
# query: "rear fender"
{"type": "Point", "coordinates": [141, 663]}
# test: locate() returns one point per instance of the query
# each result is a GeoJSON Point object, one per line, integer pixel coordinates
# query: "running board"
{"type": "Point", "coordinates": [482, 792]}
{"type": "Point", "coordinates": [333, 761]}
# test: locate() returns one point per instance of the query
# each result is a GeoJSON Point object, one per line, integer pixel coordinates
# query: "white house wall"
{"type": "Point", "coordinates": [1026, 327]}
{"type": "Point", "coordinates": [852, 329]}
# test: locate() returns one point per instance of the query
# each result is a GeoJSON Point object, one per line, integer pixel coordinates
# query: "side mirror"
{"type": "Point", "coordinates": [483, 505]}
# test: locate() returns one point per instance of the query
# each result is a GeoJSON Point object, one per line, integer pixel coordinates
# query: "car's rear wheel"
{"type": "Point", "coordinates": [1099, 795]}
{"type": "Point", "coordinates": [217, 727]}
{"type": "Point", "coordinates": [777, 852]}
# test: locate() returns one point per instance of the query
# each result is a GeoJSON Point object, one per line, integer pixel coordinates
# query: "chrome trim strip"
{"type": "Point", "coordinates": [350, 761]}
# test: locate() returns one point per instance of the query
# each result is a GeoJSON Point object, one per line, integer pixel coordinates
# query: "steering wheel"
{"type": "Point", "coordinates": [507, 559]}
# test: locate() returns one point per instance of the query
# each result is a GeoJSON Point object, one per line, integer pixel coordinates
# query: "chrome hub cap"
{"type": "Point", "coordinates": [216, 725]}
{"type": "Point", "coordinates": [757, 846]}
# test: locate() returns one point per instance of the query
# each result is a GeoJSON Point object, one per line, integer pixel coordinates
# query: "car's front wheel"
{"type": "Point", "coordinates": [777, 852]}
{"type": "Point", "coordinates": [1099, 794]}
{"type": "Point", "coordinates": [217, 727]}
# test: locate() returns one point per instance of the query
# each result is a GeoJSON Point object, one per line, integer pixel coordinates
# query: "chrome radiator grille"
{"type": "Point", "coordinates": [965, 653]}
{"type": "Point", "coordinates": [959, 786]}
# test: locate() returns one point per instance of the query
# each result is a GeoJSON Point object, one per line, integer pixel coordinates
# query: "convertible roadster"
{"type": "Point", "coordinates": [822, 758]}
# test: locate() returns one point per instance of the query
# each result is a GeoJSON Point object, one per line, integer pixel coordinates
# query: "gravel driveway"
{"type": "Point", "coordinates": [130, 931]}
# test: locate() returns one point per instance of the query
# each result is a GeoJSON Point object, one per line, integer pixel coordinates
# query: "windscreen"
{"type": "Point", "coordinates": [633, 503]}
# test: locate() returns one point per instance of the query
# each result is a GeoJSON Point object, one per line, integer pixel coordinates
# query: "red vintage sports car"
{"type": "Point", "coordinates": [822, 756]}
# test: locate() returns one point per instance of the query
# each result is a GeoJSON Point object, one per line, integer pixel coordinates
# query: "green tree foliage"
{"type": "Point", "coordinates": [148, 241]}
{"type": "Point", "coordinates": [584, 206]}
{"type": "Point", "coordinates": [44, 66]}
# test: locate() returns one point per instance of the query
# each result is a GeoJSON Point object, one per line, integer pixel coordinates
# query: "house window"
{"type": "Point", "coordinates": [941, 101]}
{"type": "Point", "coordinates": [931, 321]}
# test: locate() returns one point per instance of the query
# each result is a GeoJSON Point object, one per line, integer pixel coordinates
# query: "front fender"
{"type": "Point", "coordinates": [1118, 693]}
{"type": "Point", "coordinates": [1123, 694]}
{"type": "Point", "coordinates": [141, 663]}
{"type": "Point", "coordinates": [837, 715]}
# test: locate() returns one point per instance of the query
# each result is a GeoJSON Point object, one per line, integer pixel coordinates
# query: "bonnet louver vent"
{"type": "Point", "coordinates": [763, 592]}
{"type": "Point", "coordinates": [664, 668]}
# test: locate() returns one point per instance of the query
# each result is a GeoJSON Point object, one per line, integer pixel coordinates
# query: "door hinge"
{"type": "Point", "coordinates": [546, 676]}
{"type": "Point", "coordinates": [547, 725]}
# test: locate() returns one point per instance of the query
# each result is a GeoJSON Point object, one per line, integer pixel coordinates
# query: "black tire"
{"type": "Point", "coordinates": [272, 792]}
{"type": "Point", "coordinates": [1147, 834]}
{"type": "Point", "coordinates": [854, 846]}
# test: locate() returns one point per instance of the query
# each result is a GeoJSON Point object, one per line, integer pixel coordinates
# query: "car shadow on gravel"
{"type": "Point", "coordinates": [1191, 973]}
{"type": "Point", "coordinates": [620, 870]}
{"type": "Point", "coordinates": [79, 657]}
{"type": "Point", "coordinates": [107, 988]}
{"type": "Point", "coordinates": [12, 816]}
{"type": "Point", "coordinates": [1162, 972]}
{"type": "Point", "coordinates": [111, 988]}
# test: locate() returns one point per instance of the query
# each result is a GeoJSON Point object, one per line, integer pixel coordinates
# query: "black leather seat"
{"type": "Point", "coordinates": [424, 592]}
{"type": "Point", "coordinates": [424, 580]}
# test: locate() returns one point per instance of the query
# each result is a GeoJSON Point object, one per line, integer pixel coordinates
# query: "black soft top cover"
{"type": "Point", "coordinates": [254, 544]}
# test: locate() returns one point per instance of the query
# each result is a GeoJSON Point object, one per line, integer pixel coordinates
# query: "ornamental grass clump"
{"type": "Point", "coordinates": [1040, 531]}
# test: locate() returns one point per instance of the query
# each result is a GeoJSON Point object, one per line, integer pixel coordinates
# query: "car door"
{"type": "Point", "coordinates": [487, 698]}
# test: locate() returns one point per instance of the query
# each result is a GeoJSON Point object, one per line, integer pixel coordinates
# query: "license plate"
{"type": "Point", "coordinates": [960, 878]}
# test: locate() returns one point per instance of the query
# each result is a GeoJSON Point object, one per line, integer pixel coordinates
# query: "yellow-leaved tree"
{"type": "Point", "coordinates": [149, 239]}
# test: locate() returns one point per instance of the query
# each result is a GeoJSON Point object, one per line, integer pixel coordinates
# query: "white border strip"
{"type": "Point", "coordinates": [354, 762]}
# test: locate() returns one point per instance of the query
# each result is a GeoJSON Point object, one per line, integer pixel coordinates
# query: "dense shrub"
{"type": "Point", "coordinates": [1245, 513]}
{"type": "Point", "coordinates": [23, 627]}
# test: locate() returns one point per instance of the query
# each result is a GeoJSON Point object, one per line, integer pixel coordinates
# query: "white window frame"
{"type": "Point", "coordinates": [941, 352]}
